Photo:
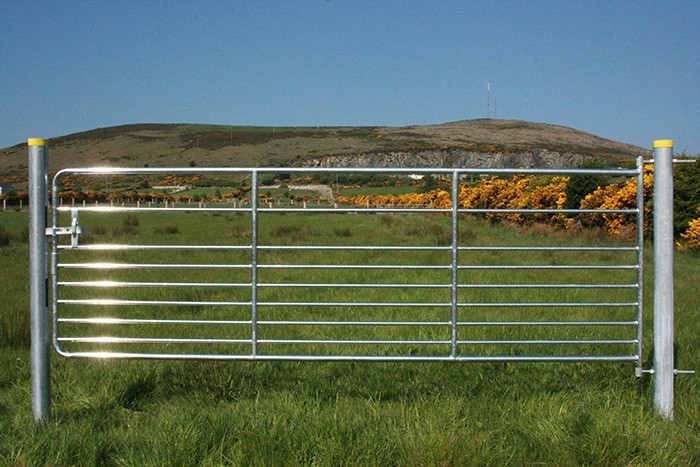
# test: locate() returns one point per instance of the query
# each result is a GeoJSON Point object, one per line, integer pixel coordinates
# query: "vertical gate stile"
{"type": "Point", "coordinates": [54, 266]}
{"type": "Point", "coordinates": [254, 262]}
{"type": "Point", "coordinates": [455, 262]}
{"type": "Point", "coordinates": [640, 262]}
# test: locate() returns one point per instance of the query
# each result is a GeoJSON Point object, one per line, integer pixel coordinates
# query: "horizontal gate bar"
{"type": "Point", "coordinates": [353, 247]}
{"type": "Point", "coordinates": [312, 209]}
{"type": "Point", "coordinates": [356, 170]}
{"type": "Point", "coordinates": [548, 342]}
{"type": "Point", "coordinates": [351, 170]}
{"type": "Point", "coordinates": [203, 340]}
{"type": "Point", "coordinates": [548, 248]}
{"type": "Point", "coordinates": [110, 302]}
{"type": "Point", "coordinates": [354, 358]}
{"type": "Point", "coordinates": [196, 208]}
{"type": "Point", "coordinates": [110, 209]}
{"type": "Point", "coordinates": [116, 247]}
{"type": "Point", "coordinates": [460, 304]}
{"type": "Point", "coordinates": [547, 211]}
{"type": "Point", "coordinates": [118, 321]}
{"type": "Point", "coordinates": [342, 285]}
{"type": "Point", "coordinates": [107, 284]}
{"type": "Point", "coordinates": [547, 286]}
{"type": "Point", "coordinates": [335, 266]}
{"type": "Point", "coordinates": [548, 323]}
{"type": "Point", "coordinates": [151, 340]}
{"type": "Point", "coordinates": [150, 266]}
{"type": "Point", "coordinates": [548, 266]}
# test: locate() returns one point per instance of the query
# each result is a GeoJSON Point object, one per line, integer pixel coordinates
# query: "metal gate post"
{"type": "Point", "coordinates": [38, 279]}
{"type": "Point", "coordinates": [663, 278]}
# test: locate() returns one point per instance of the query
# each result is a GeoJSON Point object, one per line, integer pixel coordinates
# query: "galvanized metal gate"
{"type": "Point", "coordinates": [257, 295]}
{"type": "Point", "coordinates": [303, 282]}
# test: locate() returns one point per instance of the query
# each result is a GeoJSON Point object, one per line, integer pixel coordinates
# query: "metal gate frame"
{"type": "Point", "coordinates": [663, 301]}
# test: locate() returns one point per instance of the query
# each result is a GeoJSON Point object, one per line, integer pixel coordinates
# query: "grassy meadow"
{"type": "Point", "coordinates": [146, 412]}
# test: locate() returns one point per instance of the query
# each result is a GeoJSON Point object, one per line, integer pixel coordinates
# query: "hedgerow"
{"type": "Point", "coordinates": [529, 192]}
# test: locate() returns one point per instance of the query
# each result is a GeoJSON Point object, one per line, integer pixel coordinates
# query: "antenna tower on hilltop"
{"type": "Point", "coordinates": [488, 100]}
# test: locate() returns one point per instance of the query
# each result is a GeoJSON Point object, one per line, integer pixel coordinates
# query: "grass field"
{"type": "Point", "coordinates": [277, 192]}
{"type": "Point", "coordinates": [381, 190]}
{"type": "Point", "coordinates": [328, 413]}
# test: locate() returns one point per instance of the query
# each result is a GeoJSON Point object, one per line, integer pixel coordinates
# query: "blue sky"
{"type": "Point", "coordinates": [624, 70]}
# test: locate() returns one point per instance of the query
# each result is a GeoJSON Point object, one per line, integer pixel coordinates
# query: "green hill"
{"type": "Point", "coordinates": [484, 141]}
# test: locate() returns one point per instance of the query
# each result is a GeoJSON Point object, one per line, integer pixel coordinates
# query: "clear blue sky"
{"type": "Point", "coordinates": [625, 70]}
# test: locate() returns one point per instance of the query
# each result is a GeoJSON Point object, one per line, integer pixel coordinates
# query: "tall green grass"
{"type": "Point", "coordinates": [323, 413]}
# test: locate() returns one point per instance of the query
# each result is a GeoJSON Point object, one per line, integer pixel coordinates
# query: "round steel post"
{"type": "Point", "coordinates": [663, 278]}
{"type": "Point", "coordinates": [38, 279]}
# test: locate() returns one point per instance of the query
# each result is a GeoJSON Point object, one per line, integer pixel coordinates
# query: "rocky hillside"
{"type": "Point", "coordinates": [472, 143]}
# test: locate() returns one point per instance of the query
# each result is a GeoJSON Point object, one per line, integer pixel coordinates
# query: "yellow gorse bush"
{"type": "Point", "coordinates": [621, 195]}
{"type": "Point", "coordinates": [692, 235]}
{"type": "Point", "coordinates": [515, 193]}
{"type": "Point", "coordinates": [522, 192]}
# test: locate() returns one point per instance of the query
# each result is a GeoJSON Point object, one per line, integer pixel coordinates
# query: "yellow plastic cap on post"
{"type": "Point", "coordinates": [37, 142]}
{"type": "Point", "coordinates": [663, 143]}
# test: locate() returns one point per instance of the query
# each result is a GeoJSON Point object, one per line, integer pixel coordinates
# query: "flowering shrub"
{"type": "Point", "coordinates": [621, 195]}
{"type": "Point", "coordinates": [692, 235]}
{"type": "Point", "coordinates": [500, 193]}
{"type": "Point", "coordinates": [527, 192]}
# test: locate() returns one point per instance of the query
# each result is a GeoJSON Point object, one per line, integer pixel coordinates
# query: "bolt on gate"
{"type": "Point", "coordinates": [323, 281]}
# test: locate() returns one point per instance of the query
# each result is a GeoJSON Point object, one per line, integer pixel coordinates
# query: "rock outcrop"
{"type": "Point", "coordinates": [453, 158]}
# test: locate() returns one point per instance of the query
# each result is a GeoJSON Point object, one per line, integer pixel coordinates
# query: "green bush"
{"type": "Point", "coordinates": [580, 186]}
{"type": "Point", "coordinates": [5, 236]}
{"type": "Point", "coordinates": [131, 220]}
{"type": "Point", "coordinates": [686, 195]}
{"type": "Point", "coordinates": [169, 229]}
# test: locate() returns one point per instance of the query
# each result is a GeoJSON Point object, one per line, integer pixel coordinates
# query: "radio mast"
{"type": "Point", "coordinates": [488, 100]}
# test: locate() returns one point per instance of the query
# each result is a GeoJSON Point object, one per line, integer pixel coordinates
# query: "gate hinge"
{"type": "Point", "coordinates": [675, 372]}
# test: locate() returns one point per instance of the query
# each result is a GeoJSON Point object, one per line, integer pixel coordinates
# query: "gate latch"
{"type": "Point", "coordinates": [74, 230]}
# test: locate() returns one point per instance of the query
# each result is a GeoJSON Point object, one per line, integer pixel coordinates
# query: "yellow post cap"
{"type": "Point", "coordinates": [37, 142]}
{"type": "Point", "coordinates": [663, 143]}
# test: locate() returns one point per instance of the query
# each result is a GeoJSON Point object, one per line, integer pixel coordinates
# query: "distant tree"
{"type": "Point", "coordinates": [580, 186]}
{"type": "Point", "coordinates": [686, 194]}
{"type": "Point", "coordinates": [429, 183]}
